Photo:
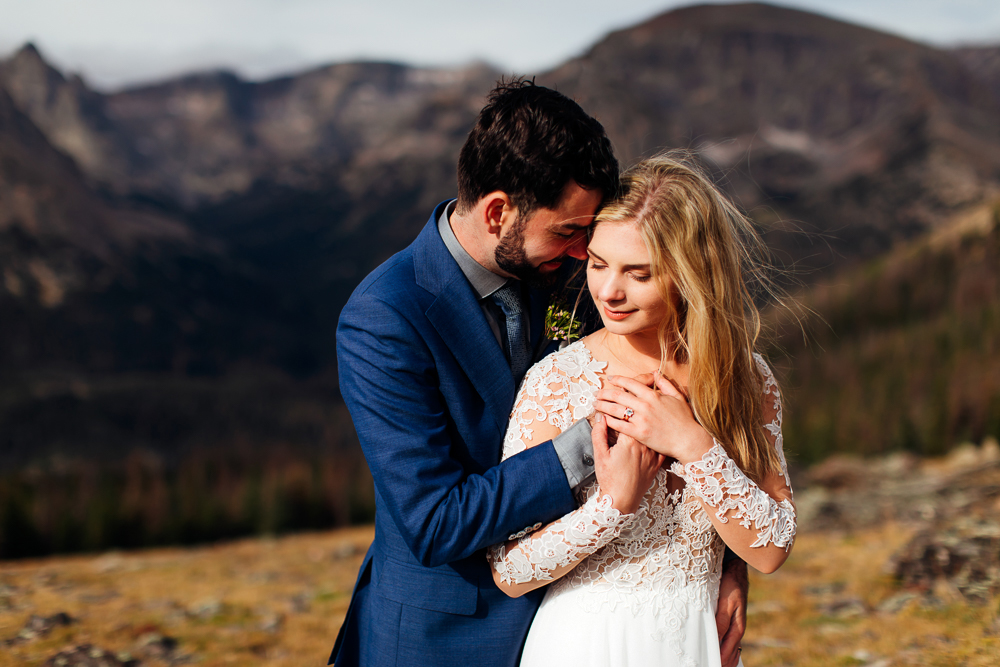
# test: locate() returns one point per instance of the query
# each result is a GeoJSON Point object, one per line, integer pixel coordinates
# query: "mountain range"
{"type": "Point", "coordinates": [175, 255]}
{"type": "Point", "coordinates": [841, 141]}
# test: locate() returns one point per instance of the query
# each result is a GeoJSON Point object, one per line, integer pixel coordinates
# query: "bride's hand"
{"type": "Point", "coordinates": [624, 471]}
{"type": "Point", "coordinates": [662, 420]}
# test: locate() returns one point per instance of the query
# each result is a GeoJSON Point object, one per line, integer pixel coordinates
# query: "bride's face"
{"type": "Point", "coordinates": [620, 281]}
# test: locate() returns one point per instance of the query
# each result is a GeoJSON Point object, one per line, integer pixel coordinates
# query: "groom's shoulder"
{"type": "Point", "coordinates": [394, 274]}
{"type": "Point", "coordinates": [383, 301]}
{"type": "Point", "coordinates": [394, 277]}
{"type": "Point", "coordinates": [404, 278]}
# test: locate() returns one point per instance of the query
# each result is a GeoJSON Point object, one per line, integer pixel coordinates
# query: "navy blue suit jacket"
{"type": "Point", "coordinates": [430, 393]}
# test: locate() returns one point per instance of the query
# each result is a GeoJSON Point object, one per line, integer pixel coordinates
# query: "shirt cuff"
{"type": "Point", "coordinates": [576, 453]}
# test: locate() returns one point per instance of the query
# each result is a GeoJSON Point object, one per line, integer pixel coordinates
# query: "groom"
{"type": "Point", "coordinates": [431, 348]}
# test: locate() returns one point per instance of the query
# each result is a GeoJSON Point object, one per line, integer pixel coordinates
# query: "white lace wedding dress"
{"type": "Point", "coordinates": [647, 591]}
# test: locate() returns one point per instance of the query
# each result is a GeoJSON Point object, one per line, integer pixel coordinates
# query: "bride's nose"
{"type": "Point", "coordinates": [611, 289]}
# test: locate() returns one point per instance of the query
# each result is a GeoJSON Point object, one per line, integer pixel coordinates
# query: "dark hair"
{"type": "Point", "coordinates": [529, 142]}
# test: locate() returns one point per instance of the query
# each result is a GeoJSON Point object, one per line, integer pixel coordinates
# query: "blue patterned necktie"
{"type": "Point", "coordinates": [508, 298]}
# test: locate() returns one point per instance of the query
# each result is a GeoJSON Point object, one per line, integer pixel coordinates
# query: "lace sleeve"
{"type": "Point", "coordinates": [717, 480]}
{"type": "Point", "coordinates": [559, 390]}
{"type": "Point", "coordinates": [536, 556]}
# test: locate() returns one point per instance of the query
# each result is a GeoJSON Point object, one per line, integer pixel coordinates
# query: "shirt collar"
{"type": "Point", "coordinates": [484, 281]}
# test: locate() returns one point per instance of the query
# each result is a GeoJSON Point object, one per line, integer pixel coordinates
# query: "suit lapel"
{"type": "Point", "coordinates": [458, 318]}
{"type": "Point", "coordinates": [460, 322]}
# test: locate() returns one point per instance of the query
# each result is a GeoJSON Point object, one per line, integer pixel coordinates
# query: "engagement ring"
{"type": "Point", "coordinates": [628, 414]}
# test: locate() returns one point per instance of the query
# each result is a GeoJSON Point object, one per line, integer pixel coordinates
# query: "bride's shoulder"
{"type": "Point", "coordinates": [574, 361]}
{"type": "Point", "coordinates": [770, 384]}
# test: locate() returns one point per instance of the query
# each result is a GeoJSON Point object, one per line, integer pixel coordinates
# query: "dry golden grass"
{"type": "Point", "coordinates": [271, 601]}
{"type": "Point", "coordinates": [280, 602]}
{"type": "Point", "coordinates": [823, 608]}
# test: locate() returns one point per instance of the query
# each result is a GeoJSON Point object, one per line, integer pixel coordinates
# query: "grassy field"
{"type": "Point", "coordinates": [280, 602]}
{"type": "Point", "coordinates": [275, 602]}
{"type": "Point", "coordinates": [833, 604]}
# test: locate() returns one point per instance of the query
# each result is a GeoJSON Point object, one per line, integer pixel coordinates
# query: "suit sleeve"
{"type": "Point", "coordinates": [389, 381]}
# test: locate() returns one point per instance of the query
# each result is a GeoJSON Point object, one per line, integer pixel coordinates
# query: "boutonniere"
{"type": "Point", "coordinates": [560, 323]}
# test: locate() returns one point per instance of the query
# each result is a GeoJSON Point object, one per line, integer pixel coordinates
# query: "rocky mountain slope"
{"type": "Point", "coordinates": [208, 137]}
{"type": "Point", "coordinates": [101, 284]}
{"type": "Point", "coordinates": [175, 255]}
{"type": "Point", "coordinates": [102, 300]}
{"type": "Point", "coordinates": [856, 137]}
{"type": "Point", "coordinates": [984, 61]}
{"type": "Point", "coordinates": [902, 353]}
{"type": "Point", "coordinates": [859, 138]}
{"type": "Point", "coordinates": [311, 179]}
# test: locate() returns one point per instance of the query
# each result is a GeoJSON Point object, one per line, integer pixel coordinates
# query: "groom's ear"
{"type": "Point", "coordinates": [498, 211]}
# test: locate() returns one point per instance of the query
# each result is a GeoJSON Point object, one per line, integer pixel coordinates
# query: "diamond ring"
{"type": "Point", "coordinates": [628, 414]}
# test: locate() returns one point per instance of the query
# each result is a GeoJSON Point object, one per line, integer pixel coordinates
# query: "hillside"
{"type": "Point", "coordinates": [102, 299]}
{"type": "Point", "coordinates": [135, 354]}
{"type": "Point", "coordinates": [984, 62]}
{"type": "Point", "coordinates": [902, 353]}
{"type": "Point", "coordinates": [308, 181]}
{"type": "Point", "coordinates": [859, 138]}
{"type": "Point", "coordinates": [860, 589]}
{"type": "Point", "coordinates": [840, 140]}
{"type": "Point", "coordinates": [175, 255]}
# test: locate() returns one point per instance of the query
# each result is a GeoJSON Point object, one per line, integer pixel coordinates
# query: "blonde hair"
{"type": "Point", "coordinates": [703, 253]}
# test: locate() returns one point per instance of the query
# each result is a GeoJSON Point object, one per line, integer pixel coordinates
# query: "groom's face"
{"type": "Point", "coordinates": [533, 248]}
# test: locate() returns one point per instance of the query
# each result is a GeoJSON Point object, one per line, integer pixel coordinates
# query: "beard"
{"type": "Point", "coordinates": [512, 258]}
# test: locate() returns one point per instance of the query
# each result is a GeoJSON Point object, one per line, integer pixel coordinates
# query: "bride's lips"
{"type": "Point", "coordinates": [617, 315]}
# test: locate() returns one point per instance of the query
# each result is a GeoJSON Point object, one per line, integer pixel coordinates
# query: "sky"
{"type": "Point", "coordinates": [115, 43]}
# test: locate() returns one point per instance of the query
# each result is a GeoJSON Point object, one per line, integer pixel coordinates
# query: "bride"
{"type": "Point", "coordinates": [633, 574]}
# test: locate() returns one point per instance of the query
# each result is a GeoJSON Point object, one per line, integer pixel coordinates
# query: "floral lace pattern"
{"type": "Point", "coordinates": [719, 482]}
{"type": "Point", "coordinates": [665, 559]}
{"type": "Point", "coordinates": [583, 531]}
{"type": "Point", "coordinates": [774, 428]}
{"type": "Point", "coordinates": [560, 389]}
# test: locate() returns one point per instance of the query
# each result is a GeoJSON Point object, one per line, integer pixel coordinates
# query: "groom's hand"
{"type": "Point", "coordinates": [731, 618]}
{"type": "Point", "coordinates": [624, 471]}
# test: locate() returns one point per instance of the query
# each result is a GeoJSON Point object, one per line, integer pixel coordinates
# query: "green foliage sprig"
{"type": "Point", "coordinates": [560, 323]}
